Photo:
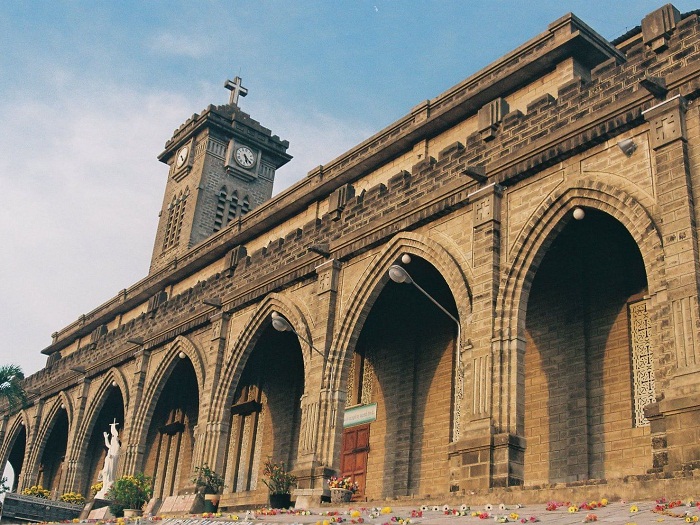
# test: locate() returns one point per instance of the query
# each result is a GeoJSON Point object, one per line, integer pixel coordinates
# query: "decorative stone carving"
{"type": "Point", "coordinates": [490, 117]}
{"type": "Point", "coordinates": [666, 122]}
{"type": "Point", "coordinates": [338, 199]}
{"type": "Point", "coordinates": [642, 361]}
{"type": "Point", "coordinates": [658, 26]}
{"type": "Point", "coordinates": [327, 277]}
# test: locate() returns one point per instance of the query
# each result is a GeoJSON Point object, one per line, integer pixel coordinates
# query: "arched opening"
{"type": "Point", "coordinates": [170, 439]}
{"type": "Point", "coordinates": [586, 369]}
{"type": "Point", "coordinates": [398, 414]}
{"type": "Point", "coordinates": [54, 454]}
{"type": "Point", "coordinates": [16, 457]}
{"type": "Point", "coordinates": [112, 411]}
{"type": "Point", "coordinates": [265, 415]}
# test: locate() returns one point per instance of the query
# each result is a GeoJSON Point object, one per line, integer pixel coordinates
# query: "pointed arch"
{"type": "Point", "coordinates": [50, 417]}
{"type": "Point", "coordinates": [21, 421]}
{"type": "Point", "coordinates": [449, 263]}
{"type": "Point", "coordinates": [526, 255]}
{"type": "Point", "coordinates": [548, 220]}
{"type": "Point", "coordinates": [244, 344]}
{"type": "Point", "coordinates": [113, 378]}
{"type": "Point", "coordinates": [158, 380]}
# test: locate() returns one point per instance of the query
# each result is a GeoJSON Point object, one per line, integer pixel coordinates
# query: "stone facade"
{"type": "Point", "coordinates": [575, 358]}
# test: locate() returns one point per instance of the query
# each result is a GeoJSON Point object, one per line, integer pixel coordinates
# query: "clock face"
{"type": "Point", "coordinates": [245, 157]}
{"type": "Point", "coordinates": [181, 156]}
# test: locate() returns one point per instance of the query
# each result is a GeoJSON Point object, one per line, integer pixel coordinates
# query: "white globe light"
{"type": "Point", "coordinates": [579, 214]}
{"type": "Point", "coordinates": [406, 259]}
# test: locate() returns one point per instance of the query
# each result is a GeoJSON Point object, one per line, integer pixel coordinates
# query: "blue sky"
{"type": "Point", "coordinates": [91, 90]}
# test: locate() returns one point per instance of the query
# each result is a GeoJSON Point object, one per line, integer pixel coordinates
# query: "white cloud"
{"type": "Point", "coordinates": [165, 43]}
{"type": "Point", "coordinates": [81, 190]}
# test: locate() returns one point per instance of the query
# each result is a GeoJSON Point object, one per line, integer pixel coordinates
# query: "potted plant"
{"type": "Point", "coordinates": [342, 489]}
{"type": "Point", "coordinates": [129, 494]}
{"type": "Point", "coordinates": [209, 484]}
{"type": "Point", "coordinates": [73, 497]}
{"type": "Point", "coordinates": [279, 482]}
{"type": "Point", "coordinates": [37, 491]}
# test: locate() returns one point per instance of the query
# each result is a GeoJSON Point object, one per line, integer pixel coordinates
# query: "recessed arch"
{"type": "Point", "coordinates": [244, 344]}
{"type": "Point", "coordinates": [110, 402]}
{"type": "Point", "coordinates": [549, 219]}
{"type": "Point", "coordinates": [260, 415]}
{"type": "Point", "coordinates": [157, 382]}
{"type": "Point", "coordinates": [14, 449]}
{"type": "Point", "coordinates": [451, 266]}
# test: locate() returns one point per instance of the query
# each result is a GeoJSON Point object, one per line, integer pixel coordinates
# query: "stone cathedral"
{"type": "Point", "coordinates": [497, 291]}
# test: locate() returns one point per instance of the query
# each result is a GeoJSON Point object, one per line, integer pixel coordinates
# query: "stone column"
{"type": "Point", "coordinates": [319, 407]}
{"type": "Point", "coordinates": [30, 470]}
{"type": "Point", "coordinates": [675, 317]}
{"type": "Point", "coordinates": [132, 450]}
{"type": "Point", "coordinates": [211, 438]}
{"type": "Point", "coordinates": [490, 450]}
{"type": "Point", "coordinates": [74, 470]}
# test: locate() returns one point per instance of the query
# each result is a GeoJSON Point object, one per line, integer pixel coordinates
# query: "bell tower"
{"type": "Point", "coordinates": [222, 165]}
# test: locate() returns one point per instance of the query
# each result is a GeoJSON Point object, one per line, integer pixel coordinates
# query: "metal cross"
{"type": "Point", "coordinates": [237, 90]}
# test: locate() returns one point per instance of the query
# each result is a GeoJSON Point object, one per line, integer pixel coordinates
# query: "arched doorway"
{"type": "Point", "coordinates": [170, 439]}
{"type": "Point", "coordinates": [112, 411]}
{"type": "Point", "coordinates": [398, 414]}
{"type": "Point", "coordinates": [584, 386]}
{"type": "Point", "coordinates": [54, 454]}
{"type": "Point", "coordinates": [16, 457]}
{"type": "Point", "coordinates": [265, 414]}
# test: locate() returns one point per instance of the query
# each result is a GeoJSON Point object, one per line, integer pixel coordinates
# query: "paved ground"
{"type": "Point", "coordinates": [624, 513]}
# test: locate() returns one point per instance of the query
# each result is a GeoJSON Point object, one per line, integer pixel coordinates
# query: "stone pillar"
{"type": "Point", "coordinates": [211, 439]}
{"type": "Point", "coordinates": [74, 468]}
{"type": "Point", "coordinates": [30, 470]}
{"type": "Point", "coordinates": [490, 450]}
{"type": "Point", "coordinates": [132, 450]}
{"type": "Point", "coordinates": [676, 318]}
{"type": "Point", "coordinates": [319, 407]}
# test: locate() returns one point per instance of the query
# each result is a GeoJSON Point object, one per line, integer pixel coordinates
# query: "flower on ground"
{"type": "Point", "coordinates": [590, 517]}
{"type": "Point", "coordinates": [386, 510]}
{"type": "Point", "coordinates": [604, 502]}
{"type": "Point", "coordinates": [634, 508]}
{"type": "Point", "coordinates": [514, 516]}
{"type": "Point", "coordinates": [573, 508]}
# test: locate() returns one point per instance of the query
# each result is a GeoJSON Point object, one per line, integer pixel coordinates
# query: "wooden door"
{"type": "Point", "coordinates": [353, 459]}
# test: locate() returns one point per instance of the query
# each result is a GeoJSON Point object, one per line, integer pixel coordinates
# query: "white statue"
{"type": "Point", "coordinates": [111, 461]}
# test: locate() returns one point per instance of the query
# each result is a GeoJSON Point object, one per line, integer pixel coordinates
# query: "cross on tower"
{"type": "Point", "coordinates": [237, 90]}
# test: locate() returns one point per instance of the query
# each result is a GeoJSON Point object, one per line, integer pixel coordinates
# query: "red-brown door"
{"type": "Point", "coordinates": [353, 459]}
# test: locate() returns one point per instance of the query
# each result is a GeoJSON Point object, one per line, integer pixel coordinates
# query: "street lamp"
{"type": "Point", "coordinates": [399, 275]}
{"type": "Point", "coordinates": [281, 324]}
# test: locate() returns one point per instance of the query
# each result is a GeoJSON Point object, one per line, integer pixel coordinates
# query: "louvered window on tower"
{"type": "Point", "coordinates": [228, 208]}
{"type": "Point", "coordinates": [176, 212]}
{"type": "Point", "coordinates": [233, 206]}
{"type": "Point", "coordinates": [221, 204]}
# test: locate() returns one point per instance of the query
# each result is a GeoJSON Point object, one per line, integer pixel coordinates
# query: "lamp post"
{"type": "Point", "coordinates": [398, 274]}
{"type": "Point", "coordinates": [281, 324]}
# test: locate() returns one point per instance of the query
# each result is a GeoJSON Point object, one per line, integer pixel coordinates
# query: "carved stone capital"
{"type": "Point", "coordinates": [666, 122]}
